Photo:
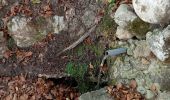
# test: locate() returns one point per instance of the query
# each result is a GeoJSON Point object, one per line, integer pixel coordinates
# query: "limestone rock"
{"type": "Point", "coordinates": [159, 43]}
{"type": "Point", "coordinates": [27, 31]}
{"type": "Point", "coordinates": [123, 34]}
{"type": "Point", "coordinates": [153, 11]}
{"type": "Point", "coordinates": [130, 66]}
{"type": "Point", "coordinates": [96, 95]}
{"type": "Point", "coordinates": [124, 15]}
{"type": "Point", "coordinates": [149, 95]}
{"type": "Point", "coordinates": [142, 49]}
{"type": "Point", "coordinates": [163, 96]}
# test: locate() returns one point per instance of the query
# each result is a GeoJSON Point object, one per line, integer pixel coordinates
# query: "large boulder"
{"type": "Point", "coordinates": [153, 11]}
{"type": "Point", "coordinates": [159, 43]}
{"type": "Point", "coordinates": [27, 31]}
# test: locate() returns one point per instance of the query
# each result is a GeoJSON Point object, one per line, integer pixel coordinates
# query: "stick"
{"type": "Point", "coordinates": [73, 45]}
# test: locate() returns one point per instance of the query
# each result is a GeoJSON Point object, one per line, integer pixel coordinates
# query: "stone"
{"type": "Point", "coordinates": [58, 24]}
{"type": "Point", "coordinates": [130, 66]}
{"type": "Point", "coordinates": [124, 15]}
{"type": "Point", "coordinates": [159, 43]}
{"type": "Point", "coordinates": [142, 49]}
{"type": "Point", "coordinates": [149, 95]}
{"type": "Point", "coordinates": [151, 11]}
{"type": "Point", "coordinates": [3, 47]}
{"type": "Point", "coordinates": [96, 95]}
{"type": "Point", "coordinates": [28, 31]}
{"type": "Point", "coordinates": [164, 96]}
{"type": "Point", "coordinates": [123, 34]}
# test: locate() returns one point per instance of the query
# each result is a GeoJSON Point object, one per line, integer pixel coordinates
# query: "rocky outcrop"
{"type": "Point", "coordinates": [141, 65]}
{"type": "Point", "coordinates": [27, 31]}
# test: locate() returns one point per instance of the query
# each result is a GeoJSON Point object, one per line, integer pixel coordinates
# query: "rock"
{"type": "Point", "coordinates": [124, 15]}
{"type": "Point", "coordinates": [142, 49]}
{"type": "Point", "coordinates": [159, 43]}
{"type": "Point", "coordinates": [96, 95]}
{"type": "Point", "coordinates": [123, 34]}
{"type": "Point", "coordinates": [3, 47]}
{"type": "Point", "coordinates": [130, 23]}
{"type": "Point", "coordinates": [146, 73]}
{"type": "Point", "coordinates": [27, 31]}
{"type": "Point", "coordinates": [149, 95]}
{"type": "Point", "coordinates": [163, 96]}
{"type": "Point", "coordinates": [58, 24]}
{"type": "Point", "coordinates": [139, 28]}
{"type": "Point", "coordinates": [141, 89]}
{"type": "Point", "coordinates": [151, 11]}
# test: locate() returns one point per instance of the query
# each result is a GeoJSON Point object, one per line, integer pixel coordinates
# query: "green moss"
{"type": "Point", "coordinates": [95, 48]}
{"type": "Point", "coordinates": [139, 27]}
{"type": "Point", "coordinates": [78, 71]}
{"type": "Point", "coordinates": [11, 43]}
{"type": "Point", "coordinates": [108, 24]}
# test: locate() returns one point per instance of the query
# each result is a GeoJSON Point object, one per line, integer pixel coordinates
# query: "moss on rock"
{"type": "Point", "coordinates": [139, 28]}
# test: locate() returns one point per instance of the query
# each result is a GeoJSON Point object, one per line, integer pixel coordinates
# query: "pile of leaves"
{"type": "Point", "coordinates": [123, 92]}
{"type": "Point", "coordinates": [22, 88]}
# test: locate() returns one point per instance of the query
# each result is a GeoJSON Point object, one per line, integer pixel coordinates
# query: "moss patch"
{"type": "Point", "coordinates": [139, 27]}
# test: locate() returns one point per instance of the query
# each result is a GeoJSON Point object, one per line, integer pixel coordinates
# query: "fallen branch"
{"type": "Point", "coordinates": [81, 39]}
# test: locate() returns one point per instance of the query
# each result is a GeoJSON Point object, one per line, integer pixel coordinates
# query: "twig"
{"type": "Point", "coordinates": [73, 45]}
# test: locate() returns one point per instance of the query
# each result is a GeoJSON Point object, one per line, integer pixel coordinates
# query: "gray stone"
{"type": "Point", "coordinates": [131, 66]}
{"type": "Point", "coordinates": [149, 95]}
{"type": "Point", "coordinates": [164, 96]}
{"type": "Point", "coordinates": [96, 95]}
{"type": "Point", "coordinates": [123, 34]}
{"type": "Point", "coordinates": [142, 49]}
{"type": "Point", "coordinates": [124, 15]}
{"type": "Point", "coordinates": [3, 47]}
{"type": "Point", "coordinates": [27, 31]}
{"type": "Point", "coordinates": [159, 43]}
{"type": "Point", "coordinates": [153, 11]}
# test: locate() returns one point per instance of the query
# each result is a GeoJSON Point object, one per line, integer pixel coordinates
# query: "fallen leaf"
{"type": "Point", "coordinates": [28, 54]}
{"type": "Point", "coordinates": [119, 86]}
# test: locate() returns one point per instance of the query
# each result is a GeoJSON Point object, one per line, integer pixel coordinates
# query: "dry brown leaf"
{"type": "Point", "coordinates": [28, 54]}
{"type": "Point", "coordinates": [23, 97]}
{"type": "Point", "coordinates": [119, 86]}
{"type": "Point", "coordinates": [7, 54]}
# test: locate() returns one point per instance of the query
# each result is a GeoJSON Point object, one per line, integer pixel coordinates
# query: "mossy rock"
{"type": "Point", "coordinates": [139, 28]}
